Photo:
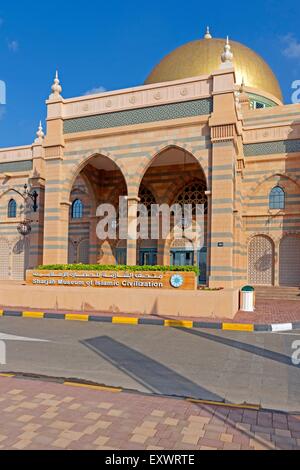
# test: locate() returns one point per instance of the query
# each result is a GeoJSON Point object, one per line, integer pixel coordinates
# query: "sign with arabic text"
{"type": "Point", "coordinates": [177, 280]}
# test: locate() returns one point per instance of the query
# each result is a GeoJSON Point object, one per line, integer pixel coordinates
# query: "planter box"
{"type": "Point", "coordinates": [160, 302]}
{"type": "Point", "coordinates": [150, 280]}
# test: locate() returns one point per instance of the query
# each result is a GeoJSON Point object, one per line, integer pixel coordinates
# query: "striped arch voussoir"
{"type": "Point", "coordinates": [265, 178]}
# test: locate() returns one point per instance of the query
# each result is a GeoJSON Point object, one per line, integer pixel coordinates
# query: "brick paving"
{"type": "Point", "coordinates": [45, 415]}
{"type": "Point", "coordinates": [272, 311]}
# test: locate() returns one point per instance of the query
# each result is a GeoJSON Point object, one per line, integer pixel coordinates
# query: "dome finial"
{"type": "Point", "coordinates": [40, 134]}
{"type": "Point", "coordinates": [56, 88]}
{"type": "Point", "coordinates": [227, 55]}
{"type": "Point", "coordinates": [207, 34]}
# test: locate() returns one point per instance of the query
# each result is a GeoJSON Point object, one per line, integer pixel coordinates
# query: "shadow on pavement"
{"type": "Point", "coordinates": [151, 374]}
{"type": "Point", "coordinates": [250, 348]}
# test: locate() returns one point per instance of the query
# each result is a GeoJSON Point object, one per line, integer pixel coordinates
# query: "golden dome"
{"type": "Point", "coordinates": [203, 57]}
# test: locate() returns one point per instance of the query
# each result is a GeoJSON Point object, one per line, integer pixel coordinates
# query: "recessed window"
{"type": "Point", "coordinates": [12, 209]}
{"type": "Point", "coordinates": [77, 209]}
{"type": "Point", "coordinates": [277, 198]}
{"type": "Point", "coordinates": [259, 105]}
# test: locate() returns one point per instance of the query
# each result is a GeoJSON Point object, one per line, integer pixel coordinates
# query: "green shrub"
{"type": "Point", "coordinates": [107, 267]}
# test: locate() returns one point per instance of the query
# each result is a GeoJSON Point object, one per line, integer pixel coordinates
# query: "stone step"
{"type": "Point", "coordinates": [277, 297]}
{"type": "Point", "coordinates": [277, 293]}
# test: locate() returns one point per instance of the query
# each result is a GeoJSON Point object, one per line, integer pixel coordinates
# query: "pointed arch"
{"type": "Point", "coordinates": [151, 158]}
{"type": "Point", "coordinates": [266, 177]}
{"type": "Point", "coordinates": [85, 160]}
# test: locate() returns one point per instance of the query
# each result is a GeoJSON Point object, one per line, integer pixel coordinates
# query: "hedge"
{"type": "Point", "coordinates": [108, 267]}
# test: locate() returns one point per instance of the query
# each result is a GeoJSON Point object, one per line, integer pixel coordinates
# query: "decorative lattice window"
{"type": "Point", "coordinates": [77, 209]}
{"type": "Point", "coordinates": [146, 198]}
{"type": "Point", "coordinates": [193, 194]}
{"type": "Point", "coordinates": [277, 198]}
{"type": "Point", "coordinates": [12, 209]}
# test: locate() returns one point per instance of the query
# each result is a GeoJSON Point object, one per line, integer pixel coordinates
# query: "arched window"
{"type": "Point", "coordinates": [194, 194]}
{"type": "Point", "coordinates": [77, 209]}
{"type": "Point", "coordinates": [12, 209]}
{"type": "Point", "coordinates": [146, 198]}
{"type": "Point", "coordinates": [277, 198]}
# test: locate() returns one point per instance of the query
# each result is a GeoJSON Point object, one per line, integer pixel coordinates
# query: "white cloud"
{"type": "Point", "coordinates": [13, 46]}
{"type": "Point", "coordinates": [95, 90]}
{"type": "Point", "coordinates": [292, 46]}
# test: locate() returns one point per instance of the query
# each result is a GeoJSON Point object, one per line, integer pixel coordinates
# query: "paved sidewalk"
{"type": "Point", "coordinates": [45, 415]}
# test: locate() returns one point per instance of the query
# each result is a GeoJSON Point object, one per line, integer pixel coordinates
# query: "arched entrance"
{"type": "Point", "coordinates": [99, 182]}
{"type": "Point", "coordinates": [289, 261]}
{"type": "Point", "coordinates": [175, 177]}
{"type": "Point", "coordinates": [261, 260]}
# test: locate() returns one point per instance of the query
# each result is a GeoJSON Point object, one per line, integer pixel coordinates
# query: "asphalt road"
{"type": "Point", "coordinates": [207, 364]}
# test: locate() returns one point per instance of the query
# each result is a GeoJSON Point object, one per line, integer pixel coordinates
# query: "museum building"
{"type": "Point", "coordinates": [207, 127]}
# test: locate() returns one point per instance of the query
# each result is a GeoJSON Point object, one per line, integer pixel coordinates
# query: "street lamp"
{"type": "Point", "coordinates": [24, 228]}
{"type": "Point", "coordinates": [27, 194]}
{"type": "Point", "coordinates": [33, 196]}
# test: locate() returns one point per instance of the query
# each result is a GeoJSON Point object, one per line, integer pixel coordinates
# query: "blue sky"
{"type": "Point", "coordinates": [115, 45]}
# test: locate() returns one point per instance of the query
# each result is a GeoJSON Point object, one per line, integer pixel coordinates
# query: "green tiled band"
{"type": "Point", "coordinates": [139, 116]}
{"type": "Point", "coordinates": [270, 148]}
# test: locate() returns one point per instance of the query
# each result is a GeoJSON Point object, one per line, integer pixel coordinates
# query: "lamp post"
{"type": "Point", "coordinates": [24, 228]}
{"type": "Point", "coordinates": [32, 195]}
{"type": "Point", "coordinates": [27, 194]}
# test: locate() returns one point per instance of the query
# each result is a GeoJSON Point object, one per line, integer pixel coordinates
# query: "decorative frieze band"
{"type": "Point", "coordinates": [223, 133]}
{"type": "Point", "coordinates": [140, 116]}
{"type": "Point", "coordinates": [138, 97]}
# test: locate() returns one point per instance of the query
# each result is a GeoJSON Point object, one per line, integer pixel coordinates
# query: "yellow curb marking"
{"type": "Point", "coordinates": [76, 317]}
{"type": "Point", "coordinates": [33, 315]}
{"type": "Point", "coordinates": [94, 387]}
{"type": "Point", "coordinates": [7, 375]}
{"type": "Point", "coordinates": [228, 405]}
{"type": "Point", "coordinates": [135, 321]}
{"type": "Point", "coordinates": [125, 320]}
{"type": "Point", "coordinates": [237, 327]}
{"type": "Point", "coordinates": [178, 323]}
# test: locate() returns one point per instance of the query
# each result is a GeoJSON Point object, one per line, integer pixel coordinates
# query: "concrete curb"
{"type": "Point", "coordinates": [246, 327]}
{"type": "Point", "coordinates": [104, 388]}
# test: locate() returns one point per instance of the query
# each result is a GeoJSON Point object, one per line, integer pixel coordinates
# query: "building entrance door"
{"type": "Point", "coordinates": [148, 257]}
{"type": "Point", "coordinates": [121, 256]}
{"type": "Point", "coordinates": [182, 258]}
{"type": "Point", "coordinates": [202, 263]}
{"type": "Point", "coordinates": [289, 261]}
